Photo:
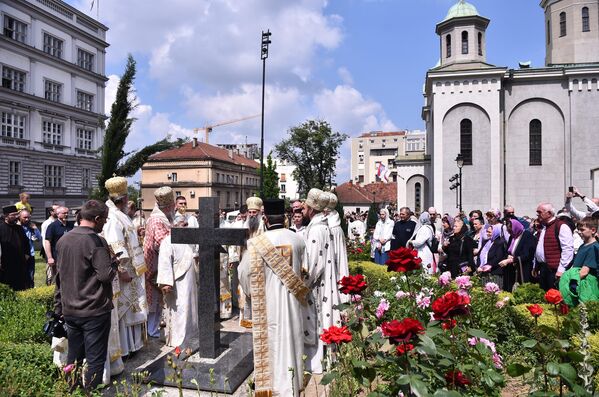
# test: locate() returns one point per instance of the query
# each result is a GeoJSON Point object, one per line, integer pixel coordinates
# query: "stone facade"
{"type": "Point", "coordinates": [51, 102]}
{"type": "Point", "coordinates": [503, 105]}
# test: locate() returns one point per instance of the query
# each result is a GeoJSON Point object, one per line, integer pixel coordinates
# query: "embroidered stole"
{"type": "Point", "coordinates": [263, 252]}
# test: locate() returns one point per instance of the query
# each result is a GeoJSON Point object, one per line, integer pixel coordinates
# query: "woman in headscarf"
{"type": "Point", "coordinates": [446, 232]}
{"type": "Point", "coordinates": [521, 252]}
{"type": "Point", "coordinates": [422, 243]}
{"type": "Point", "coordinates": [497, 253]}
{"type": "Point", "coordinates": [460, 259]}
{"type": "Point", "coordinates": [383, 232]}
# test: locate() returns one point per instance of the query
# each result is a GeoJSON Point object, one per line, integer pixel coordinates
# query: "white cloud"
{"type": "Point", "coordinates": [345, 76]}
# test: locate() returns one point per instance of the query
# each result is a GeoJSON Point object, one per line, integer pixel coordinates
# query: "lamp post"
{"type": "Point", "coordinates": [263, 56]}
{"type": "Point", "coordinates": [460, 163]}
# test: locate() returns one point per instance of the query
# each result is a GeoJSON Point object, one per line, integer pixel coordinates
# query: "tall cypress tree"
{"type": "Point", "coordinates": [271, 179]}
{"type": "Point", "coordinates": [112, 151]}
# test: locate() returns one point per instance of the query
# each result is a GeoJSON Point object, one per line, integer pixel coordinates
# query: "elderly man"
{"type": "Point", "coordinates": [339, 247]}
{"type": "Point", "coordinates": [55, 231]}
{"type": "Point", "coordinates": [271, 272]}
{"type": "Point", "coordinates": [121, 236]}
{"type": "Point", "coordinates": [33, 234]}
{"type": "Point", "coordinates": [403, 230]}
{"type": "Point", "coordinates": [158, 227]}
{"type": "Point", "coordinates": [15, 251]}
{"type": "Point", "coordinates": [555, 249]}
{"type": "Point", "coordinates": [319, 273]}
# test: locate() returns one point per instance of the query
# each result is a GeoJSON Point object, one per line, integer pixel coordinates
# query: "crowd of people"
{"type": "Point", "coordinates": [500, 246]}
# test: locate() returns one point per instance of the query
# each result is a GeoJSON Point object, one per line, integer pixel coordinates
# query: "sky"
{"type": "Point", "coordinates": [358, 64]}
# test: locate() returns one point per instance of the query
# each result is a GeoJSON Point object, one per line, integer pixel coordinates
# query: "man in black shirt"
{"type": "Point", "coordinates": [15, 251]}
{"type": "Point", "coordinates": [54, 232]}
{"type": "Point", "coordinates": [403, 229]}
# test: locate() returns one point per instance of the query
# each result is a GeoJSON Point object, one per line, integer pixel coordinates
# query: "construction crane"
{"type": "Point", "coordinates": [208, 129]}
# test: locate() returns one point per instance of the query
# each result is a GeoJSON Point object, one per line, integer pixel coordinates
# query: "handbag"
{"type": "Point", "coordinates": [55, 326]}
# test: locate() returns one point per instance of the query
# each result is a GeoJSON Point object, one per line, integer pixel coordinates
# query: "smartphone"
{"type": "Point", "coordinates": [571, 189]}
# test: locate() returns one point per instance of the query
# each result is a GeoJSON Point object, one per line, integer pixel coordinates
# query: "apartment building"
{"type": "Point", "coordinates": [52, 58]}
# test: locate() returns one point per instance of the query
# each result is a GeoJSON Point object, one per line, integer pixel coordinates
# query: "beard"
{"type": "Point", "coordinates": [253, 223]}
{"type": "Point", "coordinates": [170, 215]}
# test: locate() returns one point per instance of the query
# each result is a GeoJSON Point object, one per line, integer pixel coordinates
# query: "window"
{"type": "Point", "coordinates": [86, 178]}
{"type": "Point", "coordinates": [283, 178]}
{"type": "Point", "coordinates": [360, 159]}
{"type": "Point", "coordinates": [466, 141]}
{"type": "Point", "coordinates": [52, 90]}
{"type": "Point", "coordinates": [415, 144]}
{"type": "Point", "coordinates": [52, 133]}
{"type": "Point", "coordinates": [417, 197]}
{"type": "Point", "coordinates": [14, 173]}
{"type": "Point", "coordinates": [448, 45]}
{"type": "Point", "coordinates": [85, 101]}
{"type": "Point", "coordinates": [464, 42]}
{"type": "Point", "coordinates": [535, 134]}
{"type": "Point", "coordinates": [586, 27]}
{"type": "Point", "coordinates": [14, 29]}
{"type": "Point", "coordinates": [13, 125]}
{"type": "Point", "coordinates": [53, 45]}
{"type": "Point", "coordinates": [13, 79]}
{"type": "Point", "coordinates": [283, 188]}
{"type": "Point", "coordinates": [85, 139]}
{"type": "Point", "coordinates": [480, 44]}
{"type": "Point", "coordinates": [178, 193]}
{"type": "Point", "coordinates": [562, 24]}
{"type": "Point", "coordinates": [217, 177]}
{"type": "Point", "coordinates": [85, 59]}
{"type": "Point", "coordinates": [548, 32]}
{"type": "Point", "coordinates": [53, 175]}
{"type": "Point", "coordinates": [174, 178]}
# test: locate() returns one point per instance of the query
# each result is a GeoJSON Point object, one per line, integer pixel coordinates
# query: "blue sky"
{"type": "Point", "coordinates": [359, 64]}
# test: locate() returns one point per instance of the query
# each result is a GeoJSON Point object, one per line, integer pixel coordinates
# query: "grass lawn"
{"type": "Point", "coordinates": [39, 277]}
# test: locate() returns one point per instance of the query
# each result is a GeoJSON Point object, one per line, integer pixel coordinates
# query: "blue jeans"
{"type": "Point", "coordinates": [380, 257]}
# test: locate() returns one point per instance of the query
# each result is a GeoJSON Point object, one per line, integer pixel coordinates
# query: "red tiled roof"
{"type": "Point", "coordinates": [202, 151]}
{"type": "Point", "coordinates": [380, 133]}
{"type": "Point", "coordinates": [352, 193]}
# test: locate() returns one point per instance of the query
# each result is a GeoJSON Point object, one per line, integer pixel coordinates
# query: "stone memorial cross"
{"type": "Point", "coordinates": [210, 238]}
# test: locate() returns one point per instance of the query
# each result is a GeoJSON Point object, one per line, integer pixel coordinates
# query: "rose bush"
{"type": "Point", "coordinates": [352, 285]}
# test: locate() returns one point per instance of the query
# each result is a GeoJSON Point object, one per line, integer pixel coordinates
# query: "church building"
{"type": "Point", "coordinates": [524, 134]}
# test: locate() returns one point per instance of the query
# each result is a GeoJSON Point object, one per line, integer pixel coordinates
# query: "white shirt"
{"type": "Point", "coordinates": [45, 225]}
{"type": "Point", "coordinates": [566, 240]}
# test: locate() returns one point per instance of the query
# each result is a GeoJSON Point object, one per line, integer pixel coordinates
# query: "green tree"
{"type": "Point", "coordinates": [314, 149]}
{"type": "Point", "coordinates": [373, 215]}
{"type": "Point", "coordinates": [114, 159]}
{"type": "Point", "coordinates": [271, 179]}
{"type": "Point", "coordinates": [341, 212]}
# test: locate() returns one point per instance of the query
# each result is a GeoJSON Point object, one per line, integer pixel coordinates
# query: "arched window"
{"type": "Point", "coordinates": [586, 27]}
{"type": "Point", "coordinates": [464, 42]}
{"type": "Point", "coordinates": [562, 24]}
{"type": "Point", "coordinates": [548, 32]}
{"type": "Point", "coordinates": [448, 45]}
{"type": "Point", "coordinates": [417, 197]}
{"type": "Point", "coordinates": [535, 133]}
{"type": "Point", "coordinates": [466, 141]}
{"type": "Point", "coordinates": [480, 44]}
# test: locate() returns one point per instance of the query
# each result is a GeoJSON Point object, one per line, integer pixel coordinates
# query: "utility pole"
{"type": "Point", "coordinates": [263, 56]}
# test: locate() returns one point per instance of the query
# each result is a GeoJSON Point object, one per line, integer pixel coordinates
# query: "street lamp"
{"type": "Point", "coordinates": [263, 56]}
{"type": "Point", "coordinates": [460, 163]}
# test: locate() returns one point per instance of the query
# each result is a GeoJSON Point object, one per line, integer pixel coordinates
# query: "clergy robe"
{"type": "Point", "coordinates": [177, 268]}
{"type": "Point", "coordinates": [341, 268]}
{"type": "Point", "coordinates": [121, 236]}
{"type": "Point", "coordinates": [15, 250]}
{"type": "Point", "coordinates": [284, 312]}
{"type": "Point", "coordinates": [321, 279]}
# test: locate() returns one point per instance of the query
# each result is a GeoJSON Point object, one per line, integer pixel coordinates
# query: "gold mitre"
{"type": "Point", "coordinates": [116, 186]}
{"type": "Point", "coordinates": [164, 196]}
{"type": "Point", "coordinates": [254, 203]}
{"type": "Point", "coordinates": [312, 199]}
{"type": "Point", "coordinates": [332, 200]}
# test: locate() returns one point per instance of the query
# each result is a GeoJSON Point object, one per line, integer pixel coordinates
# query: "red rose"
{"type": "Point", "coordinates": [402, 331]}
{"type": "Point", "coordinates": [352, 284]}
{"type": "Point", "coordinates": [360, 250]}
{"type": "Point", "coordinates": [177, 351]}
{"type": "Point", "coordinates": [450, 305]}
{"type": "Point", "coordinates": [553, 296]}
{"type": "Point", "coordinates": [449, 324]}
{"type": "Point", "coordinates": [456, 378]}
{"type": "Point", "coordinates": [535, 310]}
{"type": "Point", "coordinates": [336, 335]}
{"type": "Point", "coordinates": [403, 260]}
{"type": "Point", "coordinates": [564, 309]}
{"type": "Point", "coordinates": [404, 348]}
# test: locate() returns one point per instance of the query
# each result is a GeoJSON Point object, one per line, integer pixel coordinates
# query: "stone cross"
{"type": "Point", "coordinates": [210, 238]}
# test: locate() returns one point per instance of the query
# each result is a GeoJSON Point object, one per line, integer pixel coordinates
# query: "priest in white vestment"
{"type": "Point", "coordinates": [338, 243]}
{"type": "Point", "coordinates": [121, 236]}
{"type": "Point", "coordinates": [270, 272]}
{"type": "Point", "coordinates": [320, 272]}
{"type": "Point", "coordinates": [177, 278]}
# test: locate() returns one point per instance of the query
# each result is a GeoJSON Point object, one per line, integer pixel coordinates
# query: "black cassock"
{"type": "Point", "coordinates": [13, 263]}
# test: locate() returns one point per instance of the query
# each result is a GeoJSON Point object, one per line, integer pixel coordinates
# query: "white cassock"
{"type": "Point", "coordinates": [177, 268]}
{"type": "Point", "coordinates": [121, 236]}
{"type": "Point", "coordinates": [339, 246]}
{"type": "Point", "coordinates": [321, 279]}
{"type": "Point", "coordinates": [282, 323]}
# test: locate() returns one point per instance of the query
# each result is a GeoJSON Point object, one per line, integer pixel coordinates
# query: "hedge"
{"type": "Point", "coordinates": [23, 318]}
{"type": "Point", "coordinates": [377, 276]}
{"type": "Point", "coordinates": [27, 370]}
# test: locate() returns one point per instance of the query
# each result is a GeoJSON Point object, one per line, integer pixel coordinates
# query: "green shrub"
{"type": "Point", "coordinates": [26, 370]}
{"type": "Point", "coordinates": [22, 321]}
{"type": "Point", "coordinates": [529, 293]}
{"type": "Point", "coordinates": [525, 322]}
{"type": "Point", "coordinates": [376, 275]}
{"type": "Point", "coordinates": [41, 295]}
{"type": "Point", "coordinates": [6, 293]}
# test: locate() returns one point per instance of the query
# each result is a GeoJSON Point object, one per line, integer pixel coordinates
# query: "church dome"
{"type": "Point", "coordinates": [461, 9]}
